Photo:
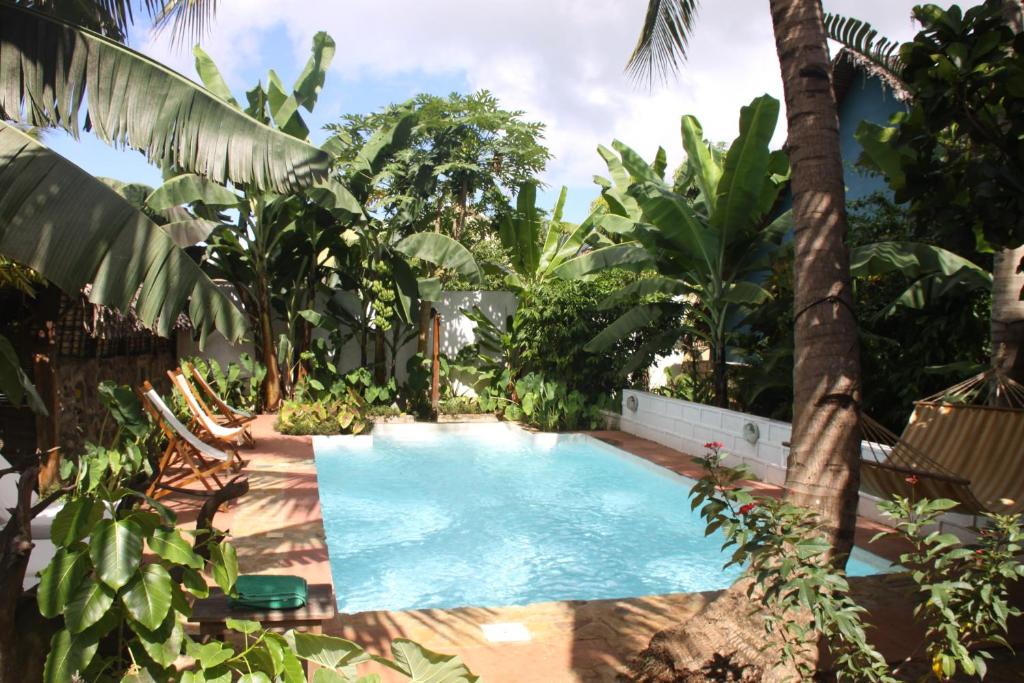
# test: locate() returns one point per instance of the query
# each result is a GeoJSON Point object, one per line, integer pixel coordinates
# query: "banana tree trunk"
{"type": "Point", "coordinates": [272, 381]}
{"type": "Point", "coordinates": [422, 339]}
{"type": "Point", "coordinates": [1008, 313]}
{"type": "Point", "coordinates": [823, 471]}
{"type": "Point", "coordinates": [380, 364]}
{"type": "Point", "coordinates": [721, 377]}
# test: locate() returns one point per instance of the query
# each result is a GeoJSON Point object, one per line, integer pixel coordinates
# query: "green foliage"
{"type": "Point", "coordinates": [322, 416]}
{"type": "Point", "coordinates": [555, 320]}
{"type": "Point", "coordinates": [459, 405]}
{"type": "Point", "coordinates": [963, 599]}
{"type": "Point", "coordinates": [687, 383]}
{"type": "Point", "coordinates": [955, 155]}
{"type": "Point", "coordinates": [711, 238]}
{"type": "Point", "coordinates": [551, 406]}
{"type": "Point", "coordinates": [237, 383]}
{"type": "Point", "coordinates": [120, 612]}
{"type": "Point", "coordinates": [799, 591]}
{"type": "Point", "coordinates": [908, 351]}
{"type": "Point", "coordinates": [124, 616]}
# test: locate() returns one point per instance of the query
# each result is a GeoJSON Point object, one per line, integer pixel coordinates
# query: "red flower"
{"type": "Point", "coordinates": [714, 445]}
{"type": "Point", "coordinates": [912, 480]}
{"type": "Point", "coordinates": [747, 508]}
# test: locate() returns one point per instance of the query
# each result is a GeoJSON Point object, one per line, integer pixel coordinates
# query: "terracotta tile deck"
{"type": "Point", "coordinates": [277, 528]}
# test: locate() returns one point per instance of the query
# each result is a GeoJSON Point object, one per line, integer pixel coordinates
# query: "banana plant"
{"type": "Point", "coordinates": [248, 249]}
{"type": "Point", "coordinates": [711, 238]}
{"type": "Point", "coordinates": [543, 250]}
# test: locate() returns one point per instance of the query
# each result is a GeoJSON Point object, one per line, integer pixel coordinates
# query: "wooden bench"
{"type": "Point", "coordinates": [212, 613]}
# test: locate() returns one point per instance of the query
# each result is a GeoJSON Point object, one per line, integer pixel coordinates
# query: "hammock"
{"type": "Point", "coordinates": [964, 443]}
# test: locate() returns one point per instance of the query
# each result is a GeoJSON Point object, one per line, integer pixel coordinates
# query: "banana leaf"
{"type": "Point", "coordinates": [75, 230]}
{"type": "Point", "coordinates": [52, 68]}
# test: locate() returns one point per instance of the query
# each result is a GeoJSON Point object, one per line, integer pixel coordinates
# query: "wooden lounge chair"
{"type": "Point", "coordinates": [223, 414]}
{"type": "Point", "coordinates": [203, 424]}
{"type": "Point", "coordinates": [964, 443]}
{"type": "Point", "coordinates": [186, 458]}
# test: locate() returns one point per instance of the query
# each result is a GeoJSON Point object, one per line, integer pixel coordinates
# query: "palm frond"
{"type": "Point", "coordinates": [75, 230]}
{"type": "Point", "coordinates": [661, 48]}
{"type": "Point", "coordinates": [187, 20]}
{"type": "Point", "coordinates": [50, 67]}
{"type": "Point", "coordinates": [866, 46]}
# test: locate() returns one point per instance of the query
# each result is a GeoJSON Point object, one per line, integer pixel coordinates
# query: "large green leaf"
{"type": "Point", "coordinates": [75, 230]}
{"type": "Point", "coordinates": [148, 596]}
{"type": "Point", "coordinates": [625, 255]}
{"type": "Point", "coordinates": [69, 654]}
{"type": "Point", "coordinates": [881, 153]}
{"type": "Point", "coordinates": [327, 651]}
{"type": "Point", "coordinates": [699, 159]}
{"type": "Point", "coordinates": [163, 644]}
{"type": "Point", "coordinates": [623, 326]}
{"type": "Point", "coordinates": [912, 259]}
{"type": "Point", "coordinates": [14, 381]}
{"type": "Point", "coordinates": [311, 81]}
{"type": "Point", "coordinates": [88, 604]}
{"type": "Point", "coordinates": [441, 251]}
{"type": "Point", "coordinates": [188, 188]}
{"type": "Point", "coordinates": [60, 579]}
{"type": "Point", "coordinates": [677, 223]}
{"type": "Point", "coordinates": [644, 288]}
{"type": "Point", "coordinates": [554, 232]}
{"type": "Point", "coordinates": [746, 164]}
{"type": "Point", "coordinates": [422, 665]}
{"type": "Point", "coordinates": [210, 75]}
{"type": "Point", "coordinates": [115, 549]}
{"type": "Point", "coordinates": [519, 231]}
{"type": "Point", "coordinates": [75, 520]}
{"type": "Point", "coordinates": [173, 547]}
{"type": "Point", "coordinates": [52, 67]}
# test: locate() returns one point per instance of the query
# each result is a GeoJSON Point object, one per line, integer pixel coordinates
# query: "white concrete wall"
{"type": "Point", "coordinates": [456, 331]}
{"type": "Point", "coordinates": [686, 426]}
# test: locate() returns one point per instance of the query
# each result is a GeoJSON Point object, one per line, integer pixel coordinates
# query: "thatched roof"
{"type": "Point", "coordinates": [847, 65]}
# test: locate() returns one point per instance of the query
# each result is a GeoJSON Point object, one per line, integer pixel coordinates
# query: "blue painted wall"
{"type": "Point", "coordinates": [866, 100]}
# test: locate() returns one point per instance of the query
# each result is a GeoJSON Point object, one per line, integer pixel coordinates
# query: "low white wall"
{"type": "Point", "coordinates": [456, 331]}
{"type": "Point", "coordinates": [686, 426]}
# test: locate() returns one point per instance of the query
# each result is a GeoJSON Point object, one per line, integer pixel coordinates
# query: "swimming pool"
{"type": "Point", "coordinates": [421, 516]}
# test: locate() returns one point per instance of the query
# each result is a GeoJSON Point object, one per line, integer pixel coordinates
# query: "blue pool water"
{"type": "Point", "coordinates": [489, 515]}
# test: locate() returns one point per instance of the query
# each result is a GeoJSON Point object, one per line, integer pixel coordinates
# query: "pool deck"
{"type": "Point", "coordinates": [277, 528]}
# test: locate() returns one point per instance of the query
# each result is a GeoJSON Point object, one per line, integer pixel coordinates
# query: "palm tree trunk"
{"type": "Point", "coordinates": [1008, 313]}
{"type": "Point", "coordinates": [823, 470]}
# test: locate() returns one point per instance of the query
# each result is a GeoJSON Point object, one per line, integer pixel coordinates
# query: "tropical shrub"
{"type": "Point", "coordinates": [120, 613]}
{"type": "Point", "coordinates": [963, 592]}
{"type": "Point", "coordinates": [237, 383]}
{"type": "Point", "coordinates": [550, 405]}
{"type": "Point", "coordinates": [556, 319]}
{"type": "Point", "coordinates": [322, 416]}
{"type": "Point", "coordinates": [804, 597]}
{"type": "Point", "coordinates": [460, 405]}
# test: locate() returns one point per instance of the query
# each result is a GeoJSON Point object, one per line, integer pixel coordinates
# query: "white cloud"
{"type": "Point", "coordinates": [559, 60]}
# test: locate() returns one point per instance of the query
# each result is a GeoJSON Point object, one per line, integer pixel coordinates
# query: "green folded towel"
{"type": "Point", "coordinates": [258, 591]}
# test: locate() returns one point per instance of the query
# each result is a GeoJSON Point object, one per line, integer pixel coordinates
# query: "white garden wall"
{"type": "Point", "coordinates": [686, 426]}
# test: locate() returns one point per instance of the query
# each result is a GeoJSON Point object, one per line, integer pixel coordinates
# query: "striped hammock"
{"type": "Point", "coordinates": [965, 443]}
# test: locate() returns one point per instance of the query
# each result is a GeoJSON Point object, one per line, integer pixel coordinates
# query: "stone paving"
{"type": "Point", "coordinates": [277, 528]}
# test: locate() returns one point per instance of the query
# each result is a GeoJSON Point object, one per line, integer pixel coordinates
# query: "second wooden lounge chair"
{"type": "Point", "coordinates": [203, 423]}
{"type": "Point", "coordinates": [223, 413]}
{"type": "Point", "coordinates": [195, 460]}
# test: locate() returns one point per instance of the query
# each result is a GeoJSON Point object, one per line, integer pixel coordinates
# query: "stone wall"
{"type": "Point", "coordinates": [82, 413]}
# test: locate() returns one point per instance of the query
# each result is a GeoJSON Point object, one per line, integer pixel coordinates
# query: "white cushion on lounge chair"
{"type": "Point", "coordinates": [194, 441]}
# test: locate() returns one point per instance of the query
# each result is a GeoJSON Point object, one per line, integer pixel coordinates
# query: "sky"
{"type": "Point", "coordinates": [559, 61]}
